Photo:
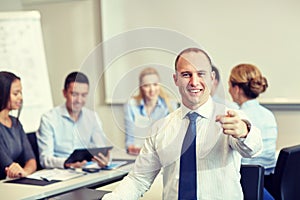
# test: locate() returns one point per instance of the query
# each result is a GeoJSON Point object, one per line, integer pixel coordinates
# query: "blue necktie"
{"type": "Point", "coordinates": [188, 168]}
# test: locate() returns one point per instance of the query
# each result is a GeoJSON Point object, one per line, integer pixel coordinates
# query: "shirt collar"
{"type": "Point", "coordinates": [158, 103]}
{"type": "Point", "coordinates": [249, 103]}
{"type": "Point", "coordinates": [204, 110]}
{"type": "Point", "coordinates": [64, 112]}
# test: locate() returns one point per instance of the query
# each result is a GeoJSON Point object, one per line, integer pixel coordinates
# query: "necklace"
{"type": "Point", "coordinates": [5, 120]}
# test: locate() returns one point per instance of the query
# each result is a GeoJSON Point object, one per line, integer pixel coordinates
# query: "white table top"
{"type": "Point", "coordinates": [21, 191]}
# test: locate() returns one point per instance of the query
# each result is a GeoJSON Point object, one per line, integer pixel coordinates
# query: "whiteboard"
{"type": "Point", "coordinates": [264, 33]}
{"type": "Point", "coordinates": [22, 52]}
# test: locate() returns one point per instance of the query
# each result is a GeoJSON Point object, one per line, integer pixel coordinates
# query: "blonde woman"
{"type": "Point", "coordinates": [149, 105]}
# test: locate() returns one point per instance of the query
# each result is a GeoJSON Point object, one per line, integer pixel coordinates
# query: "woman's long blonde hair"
{"type": "Point", "coordinates": [162, 93]}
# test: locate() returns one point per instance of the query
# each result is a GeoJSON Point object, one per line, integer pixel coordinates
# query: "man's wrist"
{"type": "Point", "coordinates": [248, 125]}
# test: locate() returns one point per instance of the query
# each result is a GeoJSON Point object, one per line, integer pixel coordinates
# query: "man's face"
{"type": "Point", "coordinates": [76, 95]}
{"type": "Point", "coordinates": [194, 79]}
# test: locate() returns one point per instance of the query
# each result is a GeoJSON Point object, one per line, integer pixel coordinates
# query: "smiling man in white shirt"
{"type": "Point", "coordinates": [223, 137]}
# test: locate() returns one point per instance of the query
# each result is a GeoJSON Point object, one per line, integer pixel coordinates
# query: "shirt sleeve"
{"type": "Point", "coordinates": [26, 146]}
{"type": "Point", "coordinates": [5, 161]}
{"type": "Point", "coordinates": [24, 149]}
{"type": "Point", "coordinates": [46, 145]}
{"type": "Point", "coordinates": [129, 125]}
{"type": "Point", "coordinates": [139, 180]}
{"type": "Point", "coordinates": [250, 146]}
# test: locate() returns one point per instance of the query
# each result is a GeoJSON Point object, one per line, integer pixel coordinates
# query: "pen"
{"type": "Point", "coordinates": [45, 179]}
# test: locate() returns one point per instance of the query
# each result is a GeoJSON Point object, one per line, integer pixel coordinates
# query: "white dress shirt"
{"type": "Point", "coordinates": [218, 157]}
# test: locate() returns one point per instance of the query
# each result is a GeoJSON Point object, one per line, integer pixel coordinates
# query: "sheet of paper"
{"type": "Point", "coordinates": [56, 174]}
{"type": "Point", "coordinates": [115, 164]}
{"type": "Point", "coordinates": [112, 165]}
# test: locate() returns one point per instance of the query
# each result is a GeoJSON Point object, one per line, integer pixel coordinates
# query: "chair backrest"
{"type": "Point", "coordinates": [252, 181]}
{"type": "Point", "coordinates": [285, 184]}
{"type": "Point", "coordinates": [33, 141]}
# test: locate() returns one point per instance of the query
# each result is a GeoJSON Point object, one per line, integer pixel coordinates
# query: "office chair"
{"type": "Point", "coordinates": [33, 141]}
{"type": "Point", "coordinates": [252, 181]}
{"type": "Point", "coordinates": [284, 183]}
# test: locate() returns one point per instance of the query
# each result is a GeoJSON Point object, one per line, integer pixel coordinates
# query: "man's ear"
{"type": "Point", "coordinates": [213, 75]}
{"type": "Point", "coordinates": [64, 92]}
{"type": "Point", "coordinates": [175, 78]}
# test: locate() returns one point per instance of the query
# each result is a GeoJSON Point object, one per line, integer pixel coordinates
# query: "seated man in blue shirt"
{"type": "Point", "coordinates": [70, 126]}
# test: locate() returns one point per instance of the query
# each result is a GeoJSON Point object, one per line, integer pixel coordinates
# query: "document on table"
{"type": "Point", "coordinates": [115, 164]}
{"type": "Point", "coordinates": [94, 166]}
{"type": "Point", "coordinates": [56, 174]}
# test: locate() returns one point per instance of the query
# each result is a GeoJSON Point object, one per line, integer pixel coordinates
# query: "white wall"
{"type": "Point", "coordinates": [265, 33]}
{"type": "Point", "coordinates": [10, 5]}
{"type": "Point", "coordinates": [288, 131]}
{"type": "Point", "coordinates": [73, 29]}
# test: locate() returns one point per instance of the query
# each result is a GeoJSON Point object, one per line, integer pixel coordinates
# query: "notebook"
{"type": "Point", "coordinates": [30, 181]}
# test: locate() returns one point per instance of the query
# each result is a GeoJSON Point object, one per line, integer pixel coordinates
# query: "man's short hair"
{"type": "Point", "coordinates": [75, 77]}
{"type": "Point", "coordinates": [193, 49]}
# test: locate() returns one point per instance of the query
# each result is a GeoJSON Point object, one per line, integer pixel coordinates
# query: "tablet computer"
{"type": "Point", "coordinates": [86, 154]}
